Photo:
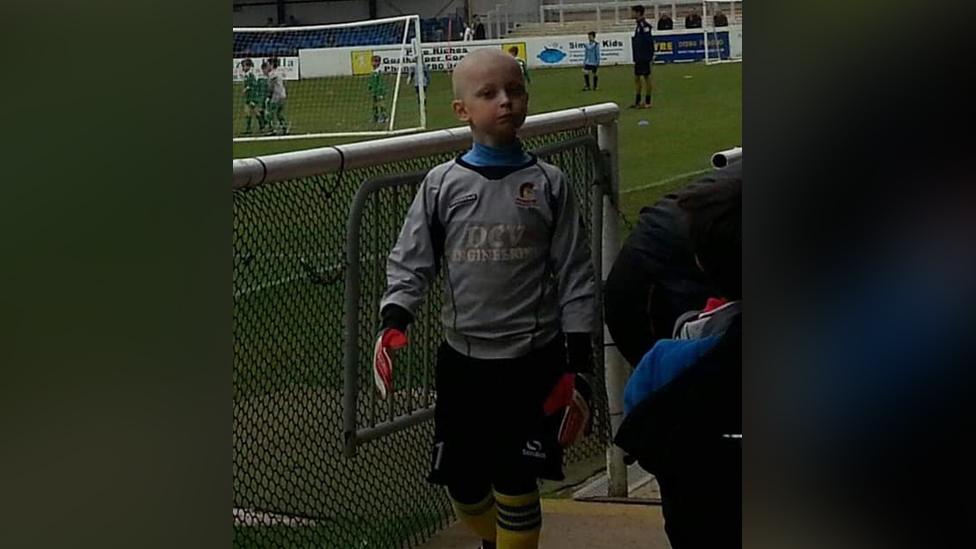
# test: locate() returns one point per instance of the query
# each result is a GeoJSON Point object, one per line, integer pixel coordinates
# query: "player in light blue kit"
{"type": "Point", "coordinates": [591, 61]}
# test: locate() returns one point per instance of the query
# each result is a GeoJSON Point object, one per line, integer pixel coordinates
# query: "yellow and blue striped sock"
{"type": "Point", "coordinates": [519, 520]}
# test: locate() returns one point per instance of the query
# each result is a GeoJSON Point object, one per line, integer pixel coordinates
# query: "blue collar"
{"type": "Point", "coordinates": [483, 155]}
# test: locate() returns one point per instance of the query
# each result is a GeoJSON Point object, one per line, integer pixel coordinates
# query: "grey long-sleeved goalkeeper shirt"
{"type": "Point", "coordinates": [516, 264]}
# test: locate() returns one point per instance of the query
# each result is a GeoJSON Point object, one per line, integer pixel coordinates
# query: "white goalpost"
{"type": "Point", "coordinates": [723, 44]}
{"type": "Point", "coordinates": [363, 78]}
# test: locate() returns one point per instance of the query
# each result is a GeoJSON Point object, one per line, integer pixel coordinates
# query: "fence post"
{"type": "Point", "coordinates": [615, 368]}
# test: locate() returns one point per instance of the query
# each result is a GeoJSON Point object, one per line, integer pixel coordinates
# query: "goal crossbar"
{"type": "Point", "coordinates": [367, 22]}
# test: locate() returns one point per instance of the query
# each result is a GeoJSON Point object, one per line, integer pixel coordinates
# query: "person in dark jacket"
{"type": "Point", "coordinates": [693, 20]}
{"type": "Point", "coordinates": [665, 23]}
{"type": "Point", "coordinates": [642, 48]}
{"type": "Point", "coordinates": [682, 404]}
{"type": "Point", "coordinates": [479, 29]}
{"type": "Point", "coordinates": [720, 20]}
{"type": "Point", "coordinates": [654, 278]}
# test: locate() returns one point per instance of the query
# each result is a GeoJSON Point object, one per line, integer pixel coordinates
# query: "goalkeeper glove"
{"type": "Point", "coordinates": [571, 399]}
{"type": "Point", "coordinates": [388, 340]}
{"type": "Point", "coordinates": [392, 337]}
{"type": "Point", "coordinates": [572, 395]}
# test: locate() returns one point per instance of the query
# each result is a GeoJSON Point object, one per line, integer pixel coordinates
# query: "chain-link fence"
{"type": "Point", "coordinates": [293, 486]}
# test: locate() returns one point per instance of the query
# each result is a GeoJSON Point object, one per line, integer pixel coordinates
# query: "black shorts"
{"type": "Point", "coordinates": [591, 68]}
{"type": "Point", "coordinates": [642, 68]}
{"type": "Point", "coordinates": [489, 423]}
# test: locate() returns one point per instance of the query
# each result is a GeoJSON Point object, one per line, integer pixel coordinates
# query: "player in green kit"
{"type": "Point", "coordinates": [261, 96]}
{"type": "Point", "coordinates": [377, 88]}
{"type": "Point", "coordinates": [255, 90]}
{"type": "Point", "coordinates": [513, 51]}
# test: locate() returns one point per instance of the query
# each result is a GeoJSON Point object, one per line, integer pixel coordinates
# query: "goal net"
{"type": "Point", "coordinates": [339, 80]}
{"type": "Point", "coordinates": [722, 27]}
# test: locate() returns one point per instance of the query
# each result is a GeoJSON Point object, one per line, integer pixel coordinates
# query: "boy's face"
{"type": "Point", "coordinates": [592, 37]}
{"type": "Point", "coordinates": [376, 62]}
{"type": "Point", "coordinates": [636, 15]}
{"type": "Point", "coordinates": [494, 100]}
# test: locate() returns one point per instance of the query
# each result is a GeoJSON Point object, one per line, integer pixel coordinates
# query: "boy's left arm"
{"type": "Point", "coordinates": [569, 255]}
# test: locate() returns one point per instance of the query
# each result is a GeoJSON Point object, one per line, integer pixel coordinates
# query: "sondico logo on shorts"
{"type": "Point", "coordinates": [483, 243]}
{"type": "Point", "coordinates": [533, 448]}
{"type": "Point", "coordinates": [526, 195]}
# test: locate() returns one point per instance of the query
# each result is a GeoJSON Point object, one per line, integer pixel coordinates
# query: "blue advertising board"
{"type": "Point", "coordinates": [688, 47]}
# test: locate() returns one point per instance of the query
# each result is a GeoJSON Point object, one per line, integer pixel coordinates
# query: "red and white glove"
{"type": "Point", "coordinates": [389, 339]}
{"type": "Point", "coordinates": [570, 397]}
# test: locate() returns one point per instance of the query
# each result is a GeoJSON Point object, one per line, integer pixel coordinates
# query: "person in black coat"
{"type": "Point", "coordinates": [479, 29]}
{"type": "Point", "coordinates": [720, 20]}
{"type": "Point", "coordinates": [665, 22]}
{"type": "Point", "coordinates": [655, 278]}
{"type": "Point", "coordinates": [683, 404]}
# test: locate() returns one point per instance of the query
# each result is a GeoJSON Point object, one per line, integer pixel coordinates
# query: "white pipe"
{"type": "Point", "coordinates": [722, 159]}
{"type": "Point", "coordinates": [418, 52]}
{"type": "Point", "coordinates": [705, 28]}
{"type": "Point", "coordinates": [396, 88]}
{"type": "Point", "coordinates": [615, 369]}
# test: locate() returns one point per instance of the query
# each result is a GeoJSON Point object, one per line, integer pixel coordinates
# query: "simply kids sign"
{"type": "Point", "coordinates": [556, 51]}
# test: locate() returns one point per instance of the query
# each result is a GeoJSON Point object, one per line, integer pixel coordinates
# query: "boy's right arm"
{"type": "Point", "coordinates": [412, 263]}
{"type": "Point", "coordinates": [410, 269]}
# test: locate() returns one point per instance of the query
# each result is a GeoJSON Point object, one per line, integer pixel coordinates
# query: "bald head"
{"type": "Point", "coordinates": [469, 72]}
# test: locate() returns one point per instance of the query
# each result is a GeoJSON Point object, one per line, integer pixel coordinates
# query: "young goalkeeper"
{"type": "Point", "coordinates": [377, 89]}
{"type": "Point", "coordinates": [512, 375]}
{"type": "Point", "coordinates": [254, 93]}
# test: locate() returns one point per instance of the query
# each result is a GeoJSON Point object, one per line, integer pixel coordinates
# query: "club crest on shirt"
{"type": "Point", "coordinates": [526, 195]}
